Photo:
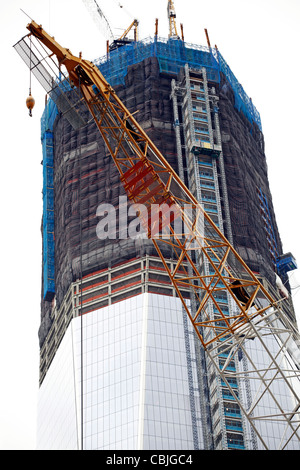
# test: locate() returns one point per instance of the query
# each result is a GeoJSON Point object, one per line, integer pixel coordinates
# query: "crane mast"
{"type": "Point", "coordinates": [178, 224]}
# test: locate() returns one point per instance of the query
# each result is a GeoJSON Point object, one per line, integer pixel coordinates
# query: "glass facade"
{"type": "Point", "coordinates": [139, 387]}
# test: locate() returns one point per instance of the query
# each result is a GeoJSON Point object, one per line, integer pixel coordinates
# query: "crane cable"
{"type": "Point", "coordinates": [30, 100]}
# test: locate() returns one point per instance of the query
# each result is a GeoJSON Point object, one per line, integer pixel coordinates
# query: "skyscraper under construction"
{"type": "Point", "coordinates": [120, 364]}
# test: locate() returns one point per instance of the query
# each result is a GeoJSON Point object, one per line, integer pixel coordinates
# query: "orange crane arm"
{"type": "Point", "coordinates": [150, 180]}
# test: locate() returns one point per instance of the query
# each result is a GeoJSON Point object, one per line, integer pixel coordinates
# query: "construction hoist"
{"type": "Point", "coordinates": [150, 180]}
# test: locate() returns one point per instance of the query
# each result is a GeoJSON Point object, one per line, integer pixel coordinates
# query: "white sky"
{"type": "Point", "coordinates": [260, 41]}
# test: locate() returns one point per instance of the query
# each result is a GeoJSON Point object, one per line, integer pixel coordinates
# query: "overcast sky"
{"type": "Point", "coordinates": [259, 39]}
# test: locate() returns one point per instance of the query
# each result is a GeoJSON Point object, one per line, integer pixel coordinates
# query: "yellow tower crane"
{"type": "Point", "coordinates": [149, 180]}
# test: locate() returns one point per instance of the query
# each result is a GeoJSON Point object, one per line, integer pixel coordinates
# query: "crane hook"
{"type": "Point", "coordinates": [30, 102]}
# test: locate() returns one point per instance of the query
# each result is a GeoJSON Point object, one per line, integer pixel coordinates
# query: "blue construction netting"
{"type": "Point", "coordinates": [48, 117]}
{"type": "Point", "coordinates": [242, 101]}
{"type": "Point", "coordinates": [172, 54]}
{"type": "Point", "coordinates": [47, 121]}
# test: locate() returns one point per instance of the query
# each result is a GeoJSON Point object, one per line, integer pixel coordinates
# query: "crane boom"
{"type": "Point", "coordinates": [150, 181]}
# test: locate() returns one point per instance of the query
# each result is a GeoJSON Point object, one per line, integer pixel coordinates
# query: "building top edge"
{"type": "Point", "coordinates": [172, 54]}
